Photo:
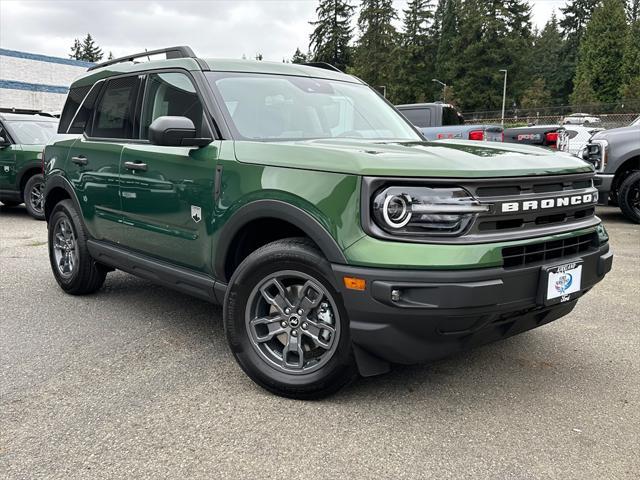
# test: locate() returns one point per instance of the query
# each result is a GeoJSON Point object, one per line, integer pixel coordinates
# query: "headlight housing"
{"type": "Point", "coordinates": [424, 211]}
{"type": "Point", "coordinates": [596, 152]}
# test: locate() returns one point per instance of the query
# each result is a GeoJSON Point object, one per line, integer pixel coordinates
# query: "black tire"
{"type": "Point", "coordinates": [629, 197]}
{"type": "Point", "coordinates": [87, 276]}
{"type": "Point", "coordinates": [291, 255]}
{"type": "Point", "coordinates": [9, 203]}
{"type": "Point", "coordinates": [34, 188]}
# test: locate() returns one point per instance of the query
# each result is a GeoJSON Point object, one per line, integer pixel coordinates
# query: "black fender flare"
{"type": "Point", "coordinates": [279, 210]}
{"type": "Point", "coordinates": [58, 181]}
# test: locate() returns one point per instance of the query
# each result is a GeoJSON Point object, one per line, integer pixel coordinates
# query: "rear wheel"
{"type": "Point", "coordinates": [34, 196]}
{"type": "Point", "coordinates": [629, 197]}
{"type": "Point", "coordinates": [286, 323]}
{"type": "Point", "coordinates": [73, 267]}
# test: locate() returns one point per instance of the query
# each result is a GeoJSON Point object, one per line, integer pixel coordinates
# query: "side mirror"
{"type": "Point", "coordinates": [175, 132]}
{"type": "Point", "coordinates": [4, 142]}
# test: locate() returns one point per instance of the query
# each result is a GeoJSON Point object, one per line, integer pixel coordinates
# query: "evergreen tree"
{"type": "Point", "coordinates": [110, 57]}
{"type": "Point", "coordinates": [575, 15]}
{"type": "Point", "coordinates": [630, 70]}
{"type": "Point", "coordinates": [259, 57]}
{"type": "Point", "coordinates": [90, 51]}
{"type": "Point", "coordinates": [536, 96]}
{"type": "Point", "coordinates": [493, 35]}
{"type": "Point", "coordinates": [445, 34]}
{"type": "Point", "coordinates": [332, 34]}
{"type": "Point", "coordinates": [547, 49]}
{"type": "Point", "coordinates": [633, 11]}
{"type": "Point", "coordinates": [375, 47]}
{"type": "Point", "coordinates": [76, 50]}
{"type": "Point", "coordinates": [299, 57]}
{"type": "Point", "coordinates": [599, 68]}
{"type": "Point", "coordinates": [415, 55]}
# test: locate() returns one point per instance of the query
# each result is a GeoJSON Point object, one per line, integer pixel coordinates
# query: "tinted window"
{"type": "Point", "coordinates": [114, 113]}
{"type": "Point", "coordinates": [74, 99]}
{"type": "Point", "coordinates": [83, 115]}
{"type": "Point", "coordinates": [420, 117]}
{"type": "Point", "coordinates": [450, 116]}
{"type": "Point", "coordinates": [3, 133]}
{"type": "Point", "coordinates": [171, 94]}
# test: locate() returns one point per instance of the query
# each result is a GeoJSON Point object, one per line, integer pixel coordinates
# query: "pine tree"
{"type": "Point", "coordinates": [76, 50]}
{"type": "Point", "coordinates": [299, 57]}
{"type": "Point", "coordinates": [599, 67]}
{"type": "Point", "coordinates": [630, 70]}
{"type": "Point", "coordinates": [90, 51]}
{"type": "Point", "coordinates": [375, 47]}
{"type": "Point", "coordinates": [415, 54]}
{"type": "Point", "coordinates": [332, 34]}
{"type": "Point", "coordinates": [547, 48]}
{"type": "Point", "coordinates": [575, 16]}
{"type": "Point", "coordinates": [445, 33]}
{"type": "Point", "coordinates": [633, 11]}
{"type": "Point", "coordinates": [536, 96]}
{"type": "Point", "coordinates": [110, 57]}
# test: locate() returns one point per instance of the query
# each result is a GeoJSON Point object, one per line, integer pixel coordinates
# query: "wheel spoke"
{"type": "Point", "coordinates": [272, 325]}
{"type": "Point", "coordinates": [280, 300]}
{"type": "Point", "coordinates": [291, 350]}
{"type": "Point", "coordinates": [315, 331]}
{"type": "Point", "coordinates": [310, 296]}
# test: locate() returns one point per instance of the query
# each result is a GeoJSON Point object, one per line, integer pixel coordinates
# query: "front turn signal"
{"type": "Point", "coordinates": [353, 283]}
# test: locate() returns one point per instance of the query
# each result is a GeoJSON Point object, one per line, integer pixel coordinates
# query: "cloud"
{"type": "Point", "coordinates": [220, 28]}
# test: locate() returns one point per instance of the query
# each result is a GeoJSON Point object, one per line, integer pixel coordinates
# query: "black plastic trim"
{"type": "Point", "coordinates": [10, 195]}
{"type": "Point", "coordinates": [278, 210]}
{"type": "Point", "coordinates": [56, 180]}
{"type": "Point", "coordinates": [156, 271]}
{"type": "Point", "coordinates": [35, 164]}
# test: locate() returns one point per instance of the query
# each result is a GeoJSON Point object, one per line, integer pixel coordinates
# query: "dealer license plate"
{"type": "Point", "coordinates": [563, 281]}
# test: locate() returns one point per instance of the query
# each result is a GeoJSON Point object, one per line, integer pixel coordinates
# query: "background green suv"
{"type": "Point", "coordinates": [337, 240]}
{"type": "Point", "coordinates": [22, 139]}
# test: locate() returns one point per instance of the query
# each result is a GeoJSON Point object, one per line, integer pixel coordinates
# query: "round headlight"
{"type": "Point", "coordinates": [396, 210]}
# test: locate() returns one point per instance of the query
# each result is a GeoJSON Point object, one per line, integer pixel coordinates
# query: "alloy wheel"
{"type": "Point", "coordinates": [65, 247]}
{"type": "Point", "coordinates": [36, 197]}
{"type": "Point", "coordinates": [293, 322]}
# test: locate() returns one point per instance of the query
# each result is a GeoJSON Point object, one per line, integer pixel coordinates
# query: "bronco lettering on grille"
{"type": "Point", "coordinates": [531, 205]}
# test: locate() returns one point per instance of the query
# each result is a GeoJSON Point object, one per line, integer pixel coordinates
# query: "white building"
{"type": "Point", "coordinates": [32, 83]}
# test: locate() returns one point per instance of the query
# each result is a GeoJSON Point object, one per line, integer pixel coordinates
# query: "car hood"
{"type": "Point", "coordinates": [614, 132]}
{"type": "Point", "coordinates": [444, 158]}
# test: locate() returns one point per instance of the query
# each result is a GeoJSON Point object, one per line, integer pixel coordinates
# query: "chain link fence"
{"type": "Point", "coordinates": [598, 115]}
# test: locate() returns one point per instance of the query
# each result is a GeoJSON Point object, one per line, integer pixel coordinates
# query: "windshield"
{"type": "Point", "coordinates": [278, 107]}
{"type": "Point", "coordinates": [31, 132]}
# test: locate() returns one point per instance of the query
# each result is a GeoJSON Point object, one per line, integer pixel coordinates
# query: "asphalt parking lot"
{"type": "Point", "coordinates": [136, 381]}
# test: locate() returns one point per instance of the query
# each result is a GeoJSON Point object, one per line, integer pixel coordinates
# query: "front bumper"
{"type": "Point", "coordinates": [603, 182]}
{"type": "Point", "coordinates": [442, 312]}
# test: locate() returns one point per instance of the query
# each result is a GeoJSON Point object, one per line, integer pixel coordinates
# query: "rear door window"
{"type": "Point", "coordinates": [420, 117]}
{"type": "Point", "coordinates": [114, 116]}
{"type": "Point", "coordinates": [450, 116]}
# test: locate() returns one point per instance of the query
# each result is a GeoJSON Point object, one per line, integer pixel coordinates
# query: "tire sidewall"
{"type": "Point", "coordinates": [623, 200]}
{"type": "Point", "coordinates": [250, 273]}
{"type": "Point", "coordinates": [61, 211]}
{"type": "Point", "coordinates": [33, 180]}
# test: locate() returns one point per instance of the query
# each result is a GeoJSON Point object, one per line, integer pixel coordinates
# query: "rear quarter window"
{"type": "Point", "coordinates": [74, 99]}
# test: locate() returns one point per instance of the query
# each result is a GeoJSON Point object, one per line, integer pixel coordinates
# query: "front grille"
{"type": "Point", "coordinates": [549, 250]}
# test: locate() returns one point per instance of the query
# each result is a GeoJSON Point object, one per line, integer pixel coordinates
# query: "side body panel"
{"type": "Point", "coordinates": [169, 207]}
{"type": "Point", "coordinates": [97, 186]}
{"type": "Point", "coordinates": [8, 168]}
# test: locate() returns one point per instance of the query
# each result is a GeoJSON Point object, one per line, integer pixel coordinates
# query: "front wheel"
{"type": "Point", "coordinates": [629, 197]}
{"type": "Point", "coordinates": [34, 196]}
{"type": "Point", "coordinates": [286, 323]}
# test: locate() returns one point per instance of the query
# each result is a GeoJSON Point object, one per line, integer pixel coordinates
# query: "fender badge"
{"type": "Point", "coordinates": [196, 213]}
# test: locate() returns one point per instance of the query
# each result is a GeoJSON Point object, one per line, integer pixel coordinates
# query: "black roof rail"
{"type": "Point", "coordinates": [324, 65]}
{"type": "Point", "coordinates": [171, 52]}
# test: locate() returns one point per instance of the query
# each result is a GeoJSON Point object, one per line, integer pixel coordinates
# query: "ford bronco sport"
{"type": "Point", "coordinates": [337, 240]}
{"type": "Point", "coordinates": [22, 138]}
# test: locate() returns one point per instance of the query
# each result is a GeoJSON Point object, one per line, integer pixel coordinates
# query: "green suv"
{"type": "Point", "coordinates": [337, 240]}
{"type": "Point", "coordinates": [22, 138]}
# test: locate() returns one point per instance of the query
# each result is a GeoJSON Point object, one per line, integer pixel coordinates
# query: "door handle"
{"type": "Point", "coordinates": [80, 160]}
{"type": "Point", "coordinates": [135, 166]}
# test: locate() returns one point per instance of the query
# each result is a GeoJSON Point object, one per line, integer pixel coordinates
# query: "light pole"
{"type": "Point", "coordinates": [504, 94]}
{"type": "Point", "coordinates": [444, 89]}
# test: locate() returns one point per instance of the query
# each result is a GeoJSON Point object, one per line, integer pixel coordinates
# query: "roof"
{"type": "Point", "coordinates": [27, 117]}
{"type": "Point", "coordinates": [217, 65]}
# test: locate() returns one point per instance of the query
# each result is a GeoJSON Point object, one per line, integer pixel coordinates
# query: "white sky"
{"type": "Point", "coordinates": [216, 28]}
